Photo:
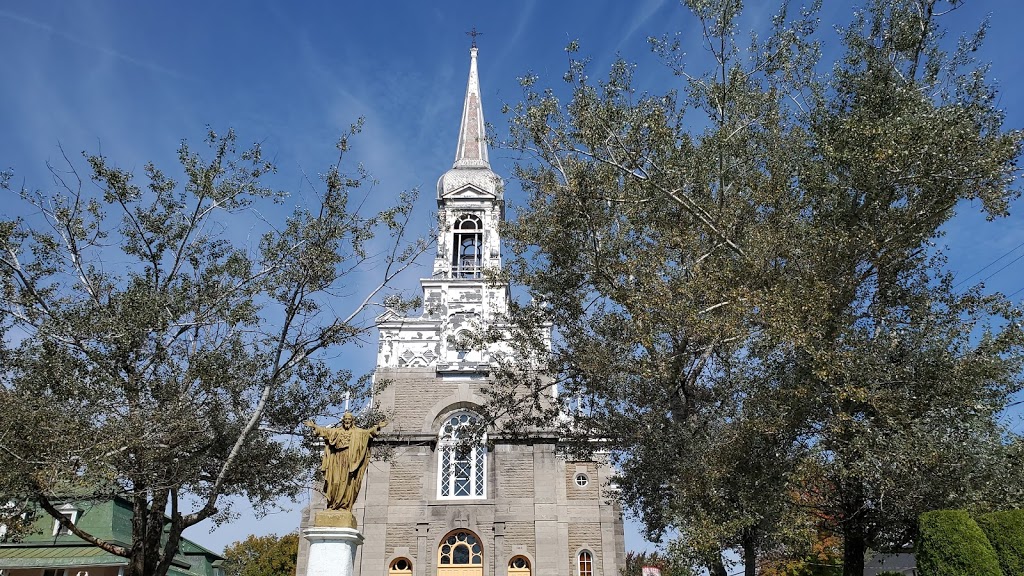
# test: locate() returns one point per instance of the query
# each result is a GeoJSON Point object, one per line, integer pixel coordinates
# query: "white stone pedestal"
{"type": "Point", "coordinates": [332, 551]}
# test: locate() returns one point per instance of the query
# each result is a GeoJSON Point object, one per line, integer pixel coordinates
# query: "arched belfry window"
{"type": "Point", "coordinates": [462, 458]}
{"type": "Point", "coordinates": [467, 247]}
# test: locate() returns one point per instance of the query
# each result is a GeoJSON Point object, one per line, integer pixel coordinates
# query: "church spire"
{"type": "Point", "coordinates": [472, 149]}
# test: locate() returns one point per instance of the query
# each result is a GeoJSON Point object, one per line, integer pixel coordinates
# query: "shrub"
{"type": "Point", "coordinates": [1005, 530]}
{"type": "Point", "coordinates": [952, 544]}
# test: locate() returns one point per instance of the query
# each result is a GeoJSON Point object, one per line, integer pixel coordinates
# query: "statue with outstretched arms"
{"type": "Point", "coordinates": [346, 456]}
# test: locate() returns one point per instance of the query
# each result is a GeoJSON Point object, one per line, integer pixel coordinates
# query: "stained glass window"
{"type": "Point", "coordinates": [460, 548]}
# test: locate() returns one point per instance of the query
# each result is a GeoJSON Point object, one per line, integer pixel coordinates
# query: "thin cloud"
{"type": "Point", "coordinates": [102, 49]}
{"type": "Point", "coordinates": [642, 16]}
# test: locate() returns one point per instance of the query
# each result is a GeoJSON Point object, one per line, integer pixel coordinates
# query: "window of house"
{"type": "Point", "coordinates": [582, 480]}
{"type": "Point", "coordinates": [71, 513]}
{"type": "Point", "coordinates": [586, 564]}
{"type": "Point", "coordinates": [6, 509]}
{"type": "Point", "coordinates": [462, 469]}
{"type": "Point", "coordinates": [467, 247]}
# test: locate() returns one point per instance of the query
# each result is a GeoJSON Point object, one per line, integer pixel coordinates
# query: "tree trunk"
{"type": "Point", "coordinates": [854, 527]}
{"type": "Point", "coordinates": [140, 517]}
{"type": "Point", "coordinates": [854, 548]}
{"type": "Point", "coordinates": [749, 558]}
{"type": "Point", "coordinates": [717, 568]}
{"type": "Point", "coordinates": [147, 535]}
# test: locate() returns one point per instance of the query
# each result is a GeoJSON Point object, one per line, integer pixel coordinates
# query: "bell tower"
{"type": "Point", "coordinates": [459, 295]}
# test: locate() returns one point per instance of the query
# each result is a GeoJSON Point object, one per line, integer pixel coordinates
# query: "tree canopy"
{"type": "Point", "coordinates": [270, 555]}
{"type": "Point", "coordinates": [747, 288]}
{"type": "Point", "coordinates": [155, 353]}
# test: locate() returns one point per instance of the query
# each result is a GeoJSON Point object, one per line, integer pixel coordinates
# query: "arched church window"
{"type": "Point", "coordinates": [460, 548]}
{"type": "Point", "coordinates": [461, 469]}
{"type": "Point", "coordinates": [467, 247]}
{"type": "Point", "coordinates": [586, 563]}
{"type": "Point", "coordinates": [400, 567]}
{"type": "Point", "coordinates": [519, 566]}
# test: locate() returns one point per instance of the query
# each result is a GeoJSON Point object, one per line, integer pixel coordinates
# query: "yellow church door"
{"type": "Point", "coordinates": [460, 554]}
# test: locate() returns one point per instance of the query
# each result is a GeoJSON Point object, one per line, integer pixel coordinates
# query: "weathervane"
{"type": "Point", "coordinates": [474, 34]}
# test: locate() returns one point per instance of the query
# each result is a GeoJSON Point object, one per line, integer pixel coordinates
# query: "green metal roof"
{"type": "Point", "coordinates": [69, 556]}
{"type": "Point", "coordinates": [57, 557]}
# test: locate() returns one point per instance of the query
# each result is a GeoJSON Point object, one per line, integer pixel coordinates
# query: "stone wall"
{"type": "Point", "coordinates": [515, 479]}
{"type": "Point", "coordinates": [585, 536]}
{"type": "Point", "coordinates": [408, 477]}
{"type": "Point", "coordinates": [400, 536]}
{"type": "Point", "coordinates": [414, 393]}
{"type": "Point", "coordinates": [574, 491]}
{"type": "Point", "coordinates": [520, 534]}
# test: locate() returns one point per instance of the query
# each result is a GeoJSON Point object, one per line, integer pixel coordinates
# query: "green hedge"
{"type": "Point", "coordinates": [1005, 530]}
{"type": "Point", "coordinates": [952, 544]}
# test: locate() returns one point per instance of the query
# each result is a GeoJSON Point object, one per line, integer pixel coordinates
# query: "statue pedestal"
{"type": "Point", "coordinates": [332, 550]}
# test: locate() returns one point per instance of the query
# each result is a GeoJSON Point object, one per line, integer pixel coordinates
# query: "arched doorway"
{"type": "Point", "coordinates": [460, 554]}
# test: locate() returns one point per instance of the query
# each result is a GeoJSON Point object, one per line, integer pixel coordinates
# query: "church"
{"type": "Point", "coordinates": [496, 506]}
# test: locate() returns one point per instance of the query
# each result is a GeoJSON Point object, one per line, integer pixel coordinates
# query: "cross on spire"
{"type": "Point", "coordinates": [473, 33]}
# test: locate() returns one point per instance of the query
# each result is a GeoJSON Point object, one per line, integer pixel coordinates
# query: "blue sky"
{"type": "Point", "coordinates": [131, 79]}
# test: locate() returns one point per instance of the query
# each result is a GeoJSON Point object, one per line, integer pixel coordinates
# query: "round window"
{"type": "Point", "coordinates": [582, 480]}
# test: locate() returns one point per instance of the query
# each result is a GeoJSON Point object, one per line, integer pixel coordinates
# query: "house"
{"type": "Point", "coordinates": [49, 550]}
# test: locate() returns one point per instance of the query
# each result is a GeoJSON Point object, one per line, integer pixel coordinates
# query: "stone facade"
{"type": "Point", "coordinates": [436, 497]}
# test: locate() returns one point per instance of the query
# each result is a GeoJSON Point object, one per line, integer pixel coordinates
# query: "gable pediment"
{"type": "Point", "coordinates": [469, 192]}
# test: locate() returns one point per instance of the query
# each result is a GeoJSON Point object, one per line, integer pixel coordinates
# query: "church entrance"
{"type": "Point", "coordinates": [460, 554]}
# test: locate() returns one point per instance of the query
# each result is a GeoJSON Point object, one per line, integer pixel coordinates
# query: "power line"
{"type": "Point", "coordinates": [990, 264]}
{"type": "Point", "coordinates": [1007, 265]}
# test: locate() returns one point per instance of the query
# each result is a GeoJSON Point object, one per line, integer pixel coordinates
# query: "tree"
{"type": "Point", "coordinates": [156, 355]}
{"type": "Point", "coordinates": [636, 562]}
{"type": "Point", "coordinates": [820, 554]}
{"type": "Point", "coordinates": [748, 300]}
{"type": "Point", "coordinates": [270, 555]}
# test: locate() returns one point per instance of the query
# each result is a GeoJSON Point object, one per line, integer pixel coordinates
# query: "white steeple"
{"type": "Point", "coordinates": [472, 149]}
{"type": "Point", "coordinates": [458, 298]}
{"type": "Point", "coordinates": [471, 167]}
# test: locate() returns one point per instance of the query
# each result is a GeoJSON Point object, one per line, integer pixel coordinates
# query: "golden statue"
{"type": "Point", "coordinates": [346, 456]}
